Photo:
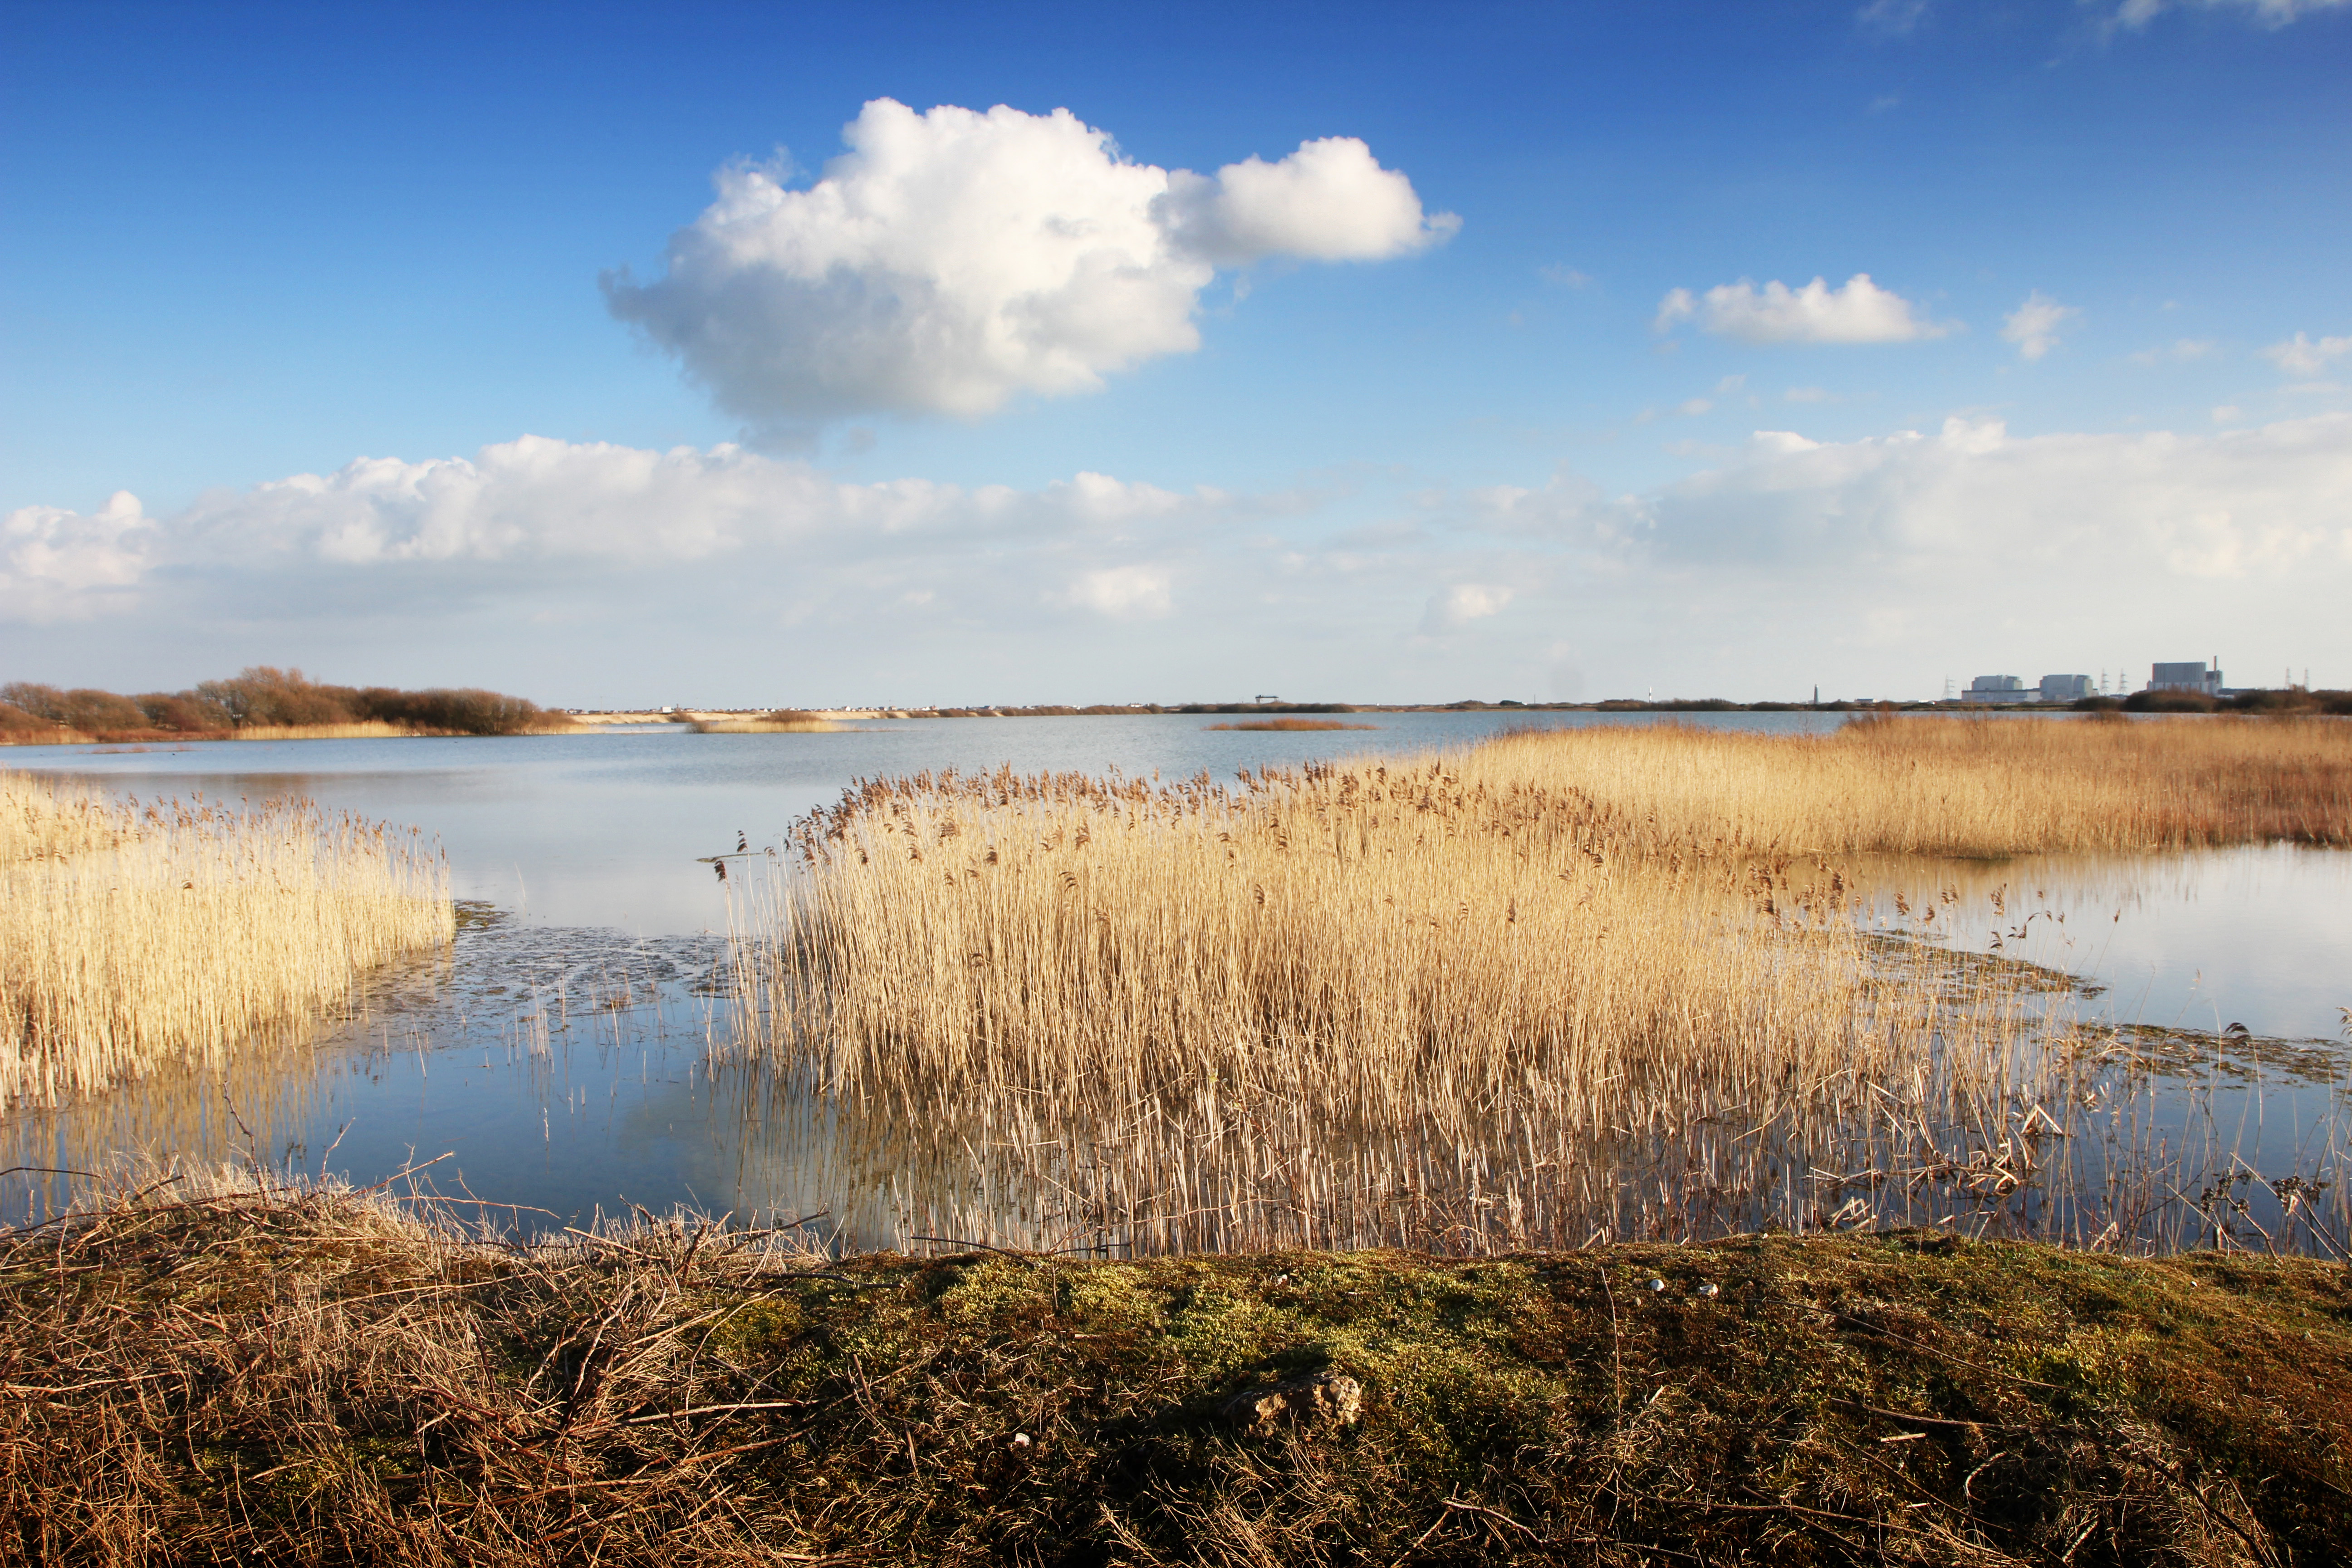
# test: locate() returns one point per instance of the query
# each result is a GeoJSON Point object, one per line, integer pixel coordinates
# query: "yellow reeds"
{"type": "Point", "coordinates": [807, 725]}
{"type": "Point", "coordinates": [130, 938]}
{"type": "Point", "coordinates": [1372, 1001]}
{"type": "Point", "coordinates": [1955, 787]}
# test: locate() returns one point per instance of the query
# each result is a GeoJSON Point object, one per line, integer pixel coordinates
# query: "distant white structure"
{"type": "Point", "coordinates": [1998, 689]}
{"type": "Point", "coordinates": [1987, 689]}
{"type": "Point", "coordinates": [2206, 681]}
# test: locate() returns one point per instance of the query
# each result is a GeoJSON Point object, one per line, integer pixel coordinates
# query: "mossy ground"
{"type": "Point", "coordinates": [307, 1380]}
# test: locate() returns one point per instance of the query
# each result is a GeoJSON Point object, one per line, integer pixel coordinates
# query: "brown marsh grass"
{"type": "Point", "coordinates": [239, 1368]}
{"type": "Point", "coordinates": [131, 937]}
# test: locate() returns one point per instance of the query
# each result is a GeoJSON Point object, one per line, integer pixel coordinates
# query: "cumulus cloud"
{"type": "Point", "coordinates": [2033, 326]}
{"type": "Point", "coordinates": [2268, 13]}
{"type": "Point", "coordinates": [2299, 355]}
{"type": "Point", "coordinates": [527, 511]}
{"type": "Point", "coordinates": [1123, 592]}
{"type": "Point", "coordinates": [1454, 609]}
{"type": "Point", "coordinates": [587, 572]}
{"type": "Point", "coordinates": [59, 564]}
{"type": "Point", "coordinates": [1972, 495]}
{"type": "Point", "coordinates": [950, 261]}
{"type": "Point", "coordinates": [1859, 311]}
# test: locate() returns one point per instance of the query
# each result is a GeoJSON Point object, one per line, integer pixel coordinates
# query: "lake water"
{"type": "Point", "coordinates": [565, 1059]}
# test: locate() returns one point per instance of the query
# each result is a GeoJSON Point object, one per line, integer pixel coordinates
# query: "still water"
{"type": "Point", "coordinates": [567, 1060]}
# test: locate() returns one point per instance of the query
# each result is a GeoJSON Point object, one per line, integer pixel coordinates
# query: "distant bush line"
{"type": "Point", "coordinates": [262, 696]}
{"type": "Point", "coordinates": [2293, 700]}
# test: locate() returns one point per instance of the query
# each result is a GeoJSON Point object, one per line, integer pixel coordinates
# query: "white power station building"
{"type": "Point", "coordinates": [2009, 688]}
{"type": "Point", "coordinates": [2200, 678]}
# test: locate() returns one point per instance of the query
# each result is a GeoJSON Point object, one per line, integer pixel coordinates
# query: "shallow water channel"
{"type": "Point", "coordinates": [568, 1058]}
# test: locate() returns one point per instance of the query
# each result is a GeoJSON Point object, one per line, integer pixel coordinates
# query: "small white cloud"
{"type": "Point", "coordinates": [1893, 18]}
{"type": "Point", "coordinates": [57, 564]}
{"type": "Point", "coordinates": [1455, 608]}
{"type": "Point", "coordinates": [1330, 201]}
{"type": "Point", "coordinates": [1885, 102]}
{"type": "Point", "coordinates": [1857, 313]}
{"type": "Point", "coordinates": [1123, 592]}
{"type": "Point", "coordinates": [2268, 13]}
{"type": "Point", "coordinates": [2299, 355]}
{"type": "Point", "coordinates": [1729, 384]}
{"type": "Point", "coordinates": [2181, 351]}
{"type": "Point", "coordinates": [2033, 326]}
{"type": "Point", "coordinates": [2226, 414]}
{"type": "Point", "coordinates": [950, 261]}
{"type": "Point", "coordinates": [1564, 276]}
{"type": "Point", "coordinates": [1807, 394]}
{"type": "Point", "coordinates": [1693, 406]}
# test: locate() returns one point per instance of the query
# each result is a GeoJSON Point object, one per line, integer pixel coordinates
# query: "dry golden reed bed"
{"type": "Point", "coordinates": [131, 937]}
{"type": "Point", "coordinates": [783, 721]}
{"type": "Point", "coordinates": [1397, 1001]}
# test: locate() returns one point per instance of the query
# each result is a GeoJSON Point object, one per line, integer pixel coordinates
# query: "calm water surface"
{"type": "Point", "coordinates": [561, 1059]}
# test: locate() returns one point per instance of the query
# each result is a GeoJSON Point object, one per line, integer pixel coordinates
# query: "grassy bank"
{"type": "Point", "coordinates": [131, 936]}
{"type": "Point", "coordinates": [203, 1374]}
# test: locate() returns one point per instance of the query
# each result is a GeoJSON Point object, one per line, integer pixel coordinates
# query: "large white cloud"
{"type": "Point", "coordinates": [535, 510]}
{"type": "Point", "coordinates": [950, 261]}
{"type": "Point", "coordinates": [1859, 311]}
{"type": "Point", "coordinates": [584, 572]}
{"type": "Point", "coordinates": [59, 565]}
{"type": "Point", "coordinates": [1972, 502]}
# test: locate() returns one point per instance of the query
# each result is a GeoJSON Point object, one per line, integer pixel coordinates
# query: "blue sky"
{"type": "Point", "coordinates": [1338, 447]}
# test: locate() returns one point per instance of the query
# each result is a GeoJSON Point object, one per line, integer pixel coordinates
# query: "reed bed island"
{"type": "Point", "coordinates": [1560, 987]}
{"type": "Point", "coordinates": [132, 936]}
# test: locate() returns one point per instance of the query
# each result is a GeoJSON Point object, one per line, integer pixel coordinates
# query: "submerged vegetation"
{"type": "Point", "coordinates": [261, 703]}
{"type": "Point", "coordinates": [134, 936]}
{"type": "Point", "coordinates": [213, 1371]}
{"type": "Point", "coordinates": [1561, 985]}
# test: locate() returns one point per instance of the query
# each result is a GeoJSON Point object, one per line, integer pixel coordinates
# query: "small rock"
{"type": "Point", "coordinates": [1021, 1439]}
{"type": "Point", "coordinates": [1330, 1398]}
{"type": "Point", "coordinates": [1657, 1284]}
{"type": "Point", "coordinates": [1710, 1289]}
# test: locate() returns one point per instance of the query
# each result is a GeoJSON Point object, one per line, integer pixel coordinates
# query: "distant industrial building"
{"type": "Point", "coordinates": [1989, 689]}
{"type": "Point", "coordinates": [2202, 679]}
{"type": "Point", "coordinates": [1998, 689]}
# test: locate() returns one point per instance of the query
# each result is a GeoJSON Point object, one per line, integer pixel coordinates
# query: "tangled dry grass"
{"type": "Point", "coordinates": [216, 1370]}
{"type": "Point", "coordinates": [134, 936]}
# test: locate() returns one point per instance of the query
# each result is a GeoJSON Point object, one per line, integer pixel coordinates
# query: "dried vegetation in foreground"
{"type": "Point", "coordinates": [131, 936]}
{"type": "Point", "coordinates": [1549, 988]}
{"type": "Point", "coordinates": [207, 1372]}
